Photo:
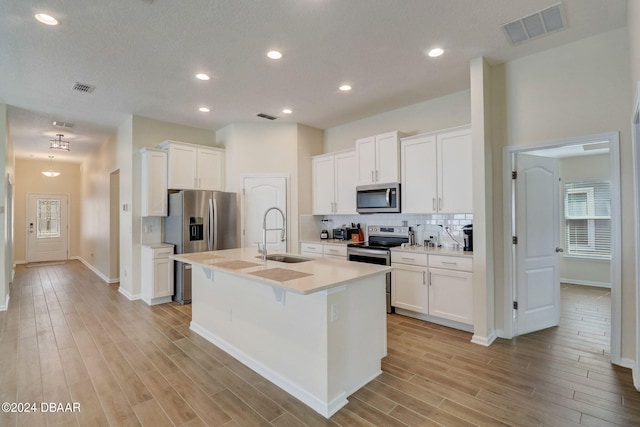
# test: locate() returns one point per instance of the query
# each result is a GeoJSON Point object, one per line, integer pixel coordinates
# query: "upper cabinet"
{"type": "Point", "coordinates": [378, 158]}
{"type": "Point", "coordinates": [334, 183]}
{"type": "Point", "coordinates": [194, 167]}
{"type": "Point", "coordinates": [154, 182]}
{"type": "Point", "coordinates": [436, 172]}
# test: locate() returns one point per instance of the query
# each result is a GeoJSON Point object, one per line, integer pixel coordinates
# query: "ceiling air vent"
{"type": "Point", "coordinates": [266, 116]}
{"type": "Point", "coordinates": [536, 25]}
{"type": "Point", "coordinates": [83, 87]}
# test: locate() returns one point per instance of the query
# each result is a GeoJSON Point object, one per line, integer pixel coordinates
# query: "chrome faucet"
{"type": "Point", "coordinates": [265, 229]}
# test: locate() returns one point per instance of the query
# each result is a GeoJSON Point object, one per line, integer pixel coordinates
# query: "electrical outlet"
{"type": "Point", "coordinates": [335, 312]}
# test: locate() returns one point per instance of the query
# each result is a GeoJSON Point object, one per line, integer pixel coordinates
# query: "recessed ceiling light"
{"type": "Point", "coordinates": [434, 53]}
{"type": "Point", "coordinates": [274, 54]}
{"type": "Point", "coordinates": [202, 76]}
{"type": "Point", "coordinates": [287, 111]}
{"type": "Point", "coordinates": [345, 88]}
{"type": "Point", "coordinates": [203, 109]}
{"type": "Point", "coordinates": [46, 19]}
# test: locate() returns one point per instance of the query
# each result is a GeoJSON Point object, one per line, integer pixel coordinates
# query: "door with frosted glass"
{"type": "Point", "coordinates": [47, 227]}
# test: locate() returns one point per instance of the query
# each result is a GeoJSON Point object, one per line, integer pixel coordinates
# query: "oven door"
{"type": "Point", "coordinates": [373, 256]}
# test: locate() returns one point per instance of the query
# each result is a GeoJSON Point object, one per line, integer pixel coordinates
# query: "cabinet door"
{"type": "Point", "coordinates": [387, 158]}
{"type": "Point", "coordinates": [419, 170]}
{"type": "Point", "coordinates": [323, 185]}
{"type": "Point", "coordinates": [163, 277]}
{"type": "Point", "coordinates": [154, 183]}
{"type": "Point", "coordinates": [450, 295]}
{"type": "Point", "coordinates": [182, 171]}
{"type": "Point", "coordinates": [366, 156]}
{"type": "Point", "coordinates": [409, 288]}
{"type": "Point", "coordinates": [345, 183]}
{"type": "Point", "coordinates": [210, 168]}
{"type": "Point", "coordinates": [455, 179]}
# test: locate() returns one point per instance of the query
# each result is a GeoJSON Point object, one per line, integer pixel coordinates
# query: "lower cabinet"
{"type": "Point", "coordinates": [157, 274]}
{"type": "Point", "coordinates": [409, 288]}
{"type": "Point", "coordinates": [330, 250]}
{"type": "Point", "coordinates": [450, 295]}
{"type": "Point", "coordinates": [434, 288]}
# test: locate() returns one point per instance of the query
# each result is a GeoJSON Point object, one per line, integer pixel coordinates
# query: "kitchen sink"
{"type": "Point", "coordinates": [285, 258]}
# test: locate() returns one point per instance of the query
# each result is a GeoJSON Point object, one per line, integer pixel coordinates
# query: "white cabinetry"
{"type": "Point", "coordinates": [194, 167]}
{"type": "Point", "coordinates": [154, 182]}
{"type": "Point", "coordinates": [379, 158]}
{"type": "Point", "coordinates": [436, 288]}
{"type": "Point", "coordinates": [336, 250]}
{"type": "Point", "coordinates": [451, 289]}
{"type": "Point", "coordinates": [334, 183]}
{"type": "Point", "coordinates": [436, 172]}
{"type": "Point", "coordinates": [313, 249]}
{"type": "Point", "coordinates": [157, 274]}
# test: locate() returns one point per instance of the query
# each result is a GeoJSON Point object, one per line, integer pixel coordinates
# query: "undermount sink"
{"type": "Point", "coordinates": [285, 258]}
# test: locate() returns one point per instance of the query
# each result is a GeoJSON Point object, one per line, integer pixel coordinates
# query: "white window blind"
{"type": "Point", "coordinates": [587, 212]}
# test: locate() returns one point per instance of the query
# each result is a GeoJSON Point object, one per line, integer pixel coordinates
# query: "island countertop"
{"type": "Point", "coordinates": [307, 277]}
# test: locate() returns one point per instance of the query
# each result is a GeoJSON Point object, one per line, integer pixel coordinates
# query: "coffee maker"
{"type": "Point", "coordinates": [467, 230]}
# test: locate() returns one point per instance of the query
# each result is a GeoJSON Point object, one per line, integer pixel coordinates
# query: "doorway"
{"type": "Point", "coordinates": [114, 226]}
{"type": "Point", "coordinates": [260, 193]}
{"type": "Point", "coordinates": [567, 240]}
{"type": "Point", "coordinates": [47, 227]}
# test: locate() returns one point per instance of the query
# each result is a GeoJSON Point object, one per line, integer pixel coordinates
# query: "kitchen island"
{"type": "Point", "coordinates": [317, 329]}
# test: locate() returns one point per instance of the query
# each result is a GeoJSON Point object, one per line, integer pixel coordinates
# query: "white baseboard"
{"type": "Point", "coordinates": [484, 341]}
{"type": "Point", "coordinates": [586, 283]}
{"type": "Point", "coordinates": [326, 409]}
{"type": "Point", "coordinates": [5, 307]}
{"type": "Point", "coordinates": [130, 297]}
{"type": "Point", "coordinates": [625, 363]}
{"type": "Point", "coordinates": [95, 270]}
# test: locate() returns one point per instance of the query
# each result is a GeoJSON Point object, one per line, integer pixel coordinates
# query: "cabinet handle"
{"type": "Point", "coordinates": [449, 262]}
{"type": "Point", "coordinates": [377, 175]}
{"type": "Point", "coordinates": [439, 203]}
{"type": "Point", "coordinates": [372, 179]}
{"type": "Point", "coordinates": [429, 278]}
{"type": "Point", "coordinates": [434, 204]}
{"type": "Point", "coordinates": [424, 278]}
{"type": "Point", "coordinates": [407, 259]}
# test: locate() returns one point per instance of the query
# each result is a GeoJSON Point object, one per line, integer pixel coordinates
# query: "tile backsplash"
{"type": "Point", "coordinates": [425, 225]}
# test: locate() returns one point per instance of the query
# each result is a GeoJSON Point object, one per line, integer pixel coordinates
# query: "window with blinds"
{"type": "Point", "coordinates": [587, 213]}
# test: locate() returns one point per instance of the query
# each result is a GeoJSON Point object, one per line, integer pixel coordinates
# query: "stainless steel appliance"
{"type": "Point", "coordinates": [467, 230]}
{"type": "Point", "coordinates": [378, 198]}
{"type": "Point", "coordinates": [198, 221]}
{"type": "Point", "coordinates": [377, 249]}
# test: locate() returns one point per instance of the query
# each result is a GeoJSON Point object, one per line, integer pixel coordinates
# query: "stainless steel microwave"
{"type": "Point", "coordinates": [378, 198]}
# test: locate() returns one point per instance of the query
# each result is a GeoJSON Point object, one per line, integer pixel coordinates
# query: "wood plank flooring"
{"type": "Point", "coordinates": [68, 337]}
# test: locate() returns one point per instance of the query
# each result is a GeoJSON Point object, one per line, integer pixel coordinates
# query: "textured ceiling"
{"type": "Point", "coordinates": [142, 55]}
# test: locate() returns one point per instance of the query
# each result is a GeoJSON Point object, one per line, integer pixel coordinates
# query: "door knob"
{"type": "Point", "coordinates": [559, 249]}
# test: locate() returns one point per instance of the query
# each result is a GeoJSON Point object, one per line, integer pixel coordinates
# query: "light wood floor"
{"type": "Point", "coordinates": [68, 337]}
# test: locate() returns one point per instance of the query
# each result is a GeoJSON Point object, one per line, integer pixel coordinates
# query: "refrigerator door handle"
{"type": "Point", "coordinates": [214, 228]}
{"type": "Point", "coordinates": [210, 223]}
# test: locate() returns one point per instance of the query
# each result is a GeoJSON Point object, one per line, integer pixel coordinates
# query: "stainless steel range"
{"type": "Point", "coordinates": [377, 249]}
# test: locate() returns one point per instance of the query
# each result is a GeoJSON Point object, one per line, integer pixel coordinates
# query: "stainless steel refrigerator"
{"type": "Point", "coordinates": [198, 221]}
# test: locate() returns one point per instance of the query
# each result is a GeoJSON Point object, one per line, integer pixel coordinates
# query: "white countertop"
{"type": "Point", "coordinates": [322, 273]}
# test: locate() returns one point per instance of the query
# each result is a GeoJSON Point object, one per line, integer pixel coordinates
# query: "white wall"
{"type": "Point", "coordinates": [273, 148]}
{"type": "Point", "coordinates": [6, 169]}
{"type": "Point", "coordinates": [576, 270]}
{"type": "Point", "coordinates": [567, 92]}
{"type": "Point", "coordinates": [432, 115]}
{"type": "Point", "coordinates": [95, 246]}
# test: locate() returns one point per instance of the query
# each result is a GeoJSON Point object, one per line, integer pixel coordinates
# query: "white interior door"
{"type": "Point", "coordinates": [47, 227]}
{"type": "Point", "coordinates": [259, 194]}
{"type": "Point", "coordinates": [536, 257]}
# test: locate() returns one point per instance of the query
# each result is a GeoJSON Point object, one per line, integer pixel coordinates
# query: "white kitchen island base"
{"type": "Point", "coordinates": [319, 347]}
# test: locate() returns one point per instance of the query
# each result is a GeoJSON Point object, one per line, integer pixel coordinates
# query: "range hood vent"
{"type": "Point", "coordinates": [536, 25]}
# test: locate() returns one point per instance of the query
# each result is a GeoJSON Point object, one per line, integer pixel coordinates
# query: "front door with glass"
{"type": "Point", "coordinates": [47, 227]}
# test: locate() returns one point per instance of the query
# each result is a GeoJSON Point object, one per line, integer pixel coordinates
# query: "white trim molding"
{"type": "Point", "coordinates": [5, 307]}
{"type": "Point", "coordinates": [95, 270]}
{"type": "Point", "coordinates": [509, 153]}
{"type": "Point", "coordinates": [635, 140]}
{"type": "Point", "coordinates": [130, 297]}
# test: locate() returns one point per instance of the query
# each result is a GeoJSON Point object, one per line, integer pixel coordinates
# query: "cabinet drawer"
{"type": "Point", "coordinates": [315, 248]}
{"type": "Point", "coordinates": [409, 258]}
{"type": "Point", "coordinates": [335, 250]}
{"type": "Point", "coordinates": [162, 253]}
{"type": "Point", "coordinates": [451, 262]}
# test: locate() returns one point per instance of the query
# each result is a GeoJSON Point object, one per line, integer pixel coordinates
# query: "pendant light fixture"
{"type": "Point", "coordinates": [50, 173]}
{"type": "Point", "coordinates": [59, 144]}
